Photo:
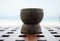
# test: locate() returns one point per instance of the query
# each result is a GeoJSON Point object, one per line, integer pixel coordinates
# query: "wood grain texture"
{"type": "Point", "coordinates": [31, 37]}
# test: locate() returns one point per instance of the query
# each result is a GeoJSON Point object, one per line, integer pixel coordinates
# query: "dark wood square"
{"type": "Point", "coordinates": [53, 32]}
{"type": "Point", "coordinates": [50, 30]}
{"type": "Point", "coordinates": [13, 30]}
{"type": "Point", "coordinates": [5, 35]}
{"type": "Point", "coordinates": [40, 35]}
{"type": "Point", "coordinates": [10, 32]}
{"type": "Point", "coordinates": [20, 40]}
{"type": "Point", "coordinates": [22, 35]}
{"type": "Point", "coordinates": [56, 35]}
{"type": "Point", "coordinates": [1, 30]}
{"type": "Point", "coordinates": [1, 40]}
{"type": "Point", "coordinates": [41, 40]}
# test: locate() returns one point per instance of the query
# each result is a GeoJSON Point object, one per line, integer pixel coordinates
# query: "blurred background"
{"type": "Point", "coordinates": [10, 11]}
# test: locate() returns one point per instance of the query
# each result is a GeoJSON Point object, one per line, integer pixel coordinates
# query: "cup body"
{"type": "Point", "coordinates": [31, 15]}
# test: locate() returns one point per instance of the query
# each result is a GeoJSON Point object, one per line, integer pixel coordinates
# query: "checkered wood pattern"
{"type": "Point", "coordinates": [48, 33]}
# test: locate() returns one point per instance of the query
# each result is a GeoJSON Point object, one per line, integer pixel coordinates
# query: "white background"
{"type": "Point", "coordinates": [10, 10]}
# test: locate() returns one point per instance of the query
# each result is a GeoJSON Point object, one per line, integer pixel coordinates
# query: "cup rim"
{"type": "Point", "coordinates": [31, 9]}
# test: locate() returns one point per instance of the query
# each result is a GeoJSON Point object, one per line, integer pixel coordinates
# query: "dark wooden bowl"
{"type": "Point", "coordinates": [31, 15]}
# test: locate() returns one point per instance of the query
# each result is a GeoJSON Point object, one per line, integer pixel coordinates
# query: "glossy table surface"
{"type": "Point", "coordinates": [13, 33]}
